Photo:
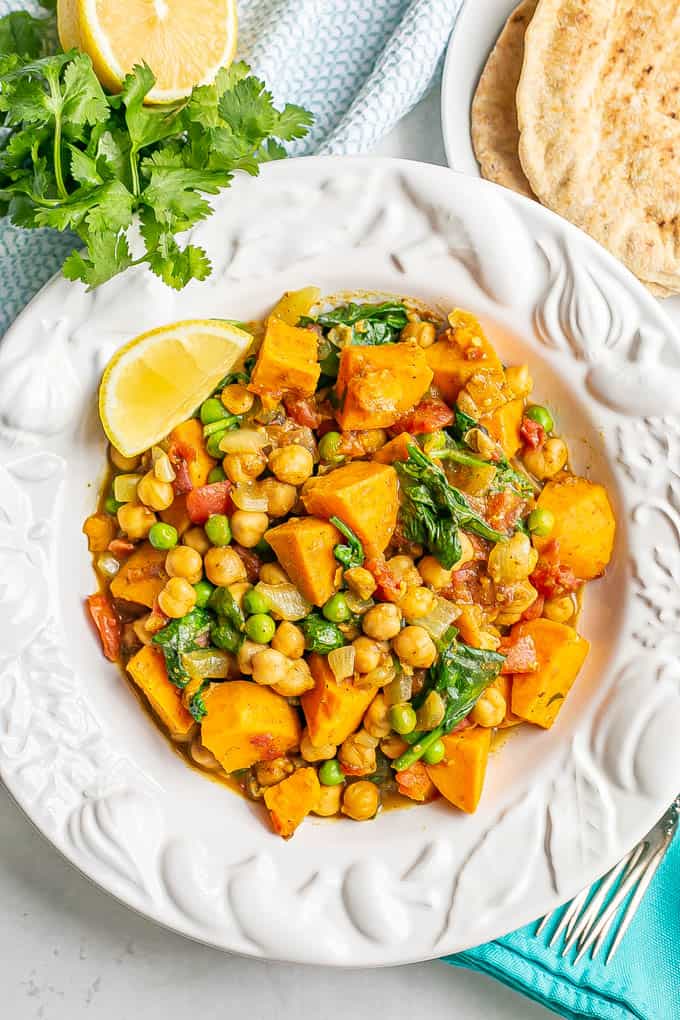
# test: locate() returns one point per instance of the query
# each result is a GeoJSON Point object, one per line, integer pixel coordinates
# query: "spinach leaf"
{"type": "Point", "coordinates": [227, 631]}
{"type": "Point", "coordinates": [320, 634]}
{"type": "Point", "coordinates": [352, 554]}
{"type": "Point", "coordinates": [197, 704]}
{"type": "Point", "coordinates": [370, 324]}
{"type": "Point", "coordinates": [181, 636]}
{"type": "Point", "coordinates": [462, 424]}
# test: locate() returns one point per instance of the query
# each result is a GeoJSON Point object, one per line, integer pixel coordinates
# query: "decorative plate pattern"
{"type": "Point", "coordinates": [95, 775]}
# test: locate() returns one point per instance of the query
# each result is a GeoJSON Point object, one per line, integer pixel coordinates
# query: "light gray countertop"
{"type": "Point", "coordinates": [68, 951]}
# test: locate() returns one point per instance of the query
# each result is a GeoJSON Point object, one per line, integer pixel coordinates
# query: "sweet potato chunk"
{"type": "Point", "coordinates": [246, 724]}
{"type": "Point", "coordinates": [503, 425]}
{"type": "Point", "coordinates": [377, 384]}
{"type": "Point", "coordinates": [364, 495]}
{"type": "Point", "coordinates": [304, 548]}
{"type": "Point", "coordinates": [189, 443]}
{"type": "Point", "coordinates": [142, 576]}
{"type": "Point", "coordinates": [584, 524]}
{"type": "Point", "coordinates": [333, 710]}
{"type": "Point", "coordinates": [177, 515]}
{"type": "Point", "coordinates": [147, 669]}
{"type": "Point", "coordinates": [503, 683]}
{"type": "Point", "coordinates": [291, 800]}
{"type": "Point", "coordinates": [460, 776]}
{"type": "Point", "coordinates": [539, 696]}
{"type": "Point", "coordinates": [415, 783]}
{"type": "Point", "coordinates": [396, 449]}
{"type": "Point", "coordinates": [286, 362]}
{"type": "Point", "coordinates": [463, 352]}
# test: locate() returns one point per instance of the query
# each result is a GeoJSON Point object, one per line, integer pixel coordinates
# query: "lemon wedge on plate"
{"type": "Point", "coordinates": [184, 42]}
{"type": "Point", "coordinates": [158, 379]}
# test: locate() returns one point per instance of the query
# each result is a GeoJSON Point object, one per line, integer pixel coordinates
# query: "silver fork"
{"type": "Point", "coordinates": [589, 920]}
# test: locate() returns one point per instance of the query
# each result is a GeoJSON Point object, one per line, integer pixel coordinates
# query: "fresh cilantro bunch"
{"type": "Point", "coordinates": [74, 157]}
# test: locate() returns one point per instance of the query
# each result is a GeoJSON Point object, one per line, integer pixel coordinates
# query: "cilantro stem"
{"type": "Point", "coordinates": [57, 100]}
{"type": "Point", "coordinates": [134, 171]}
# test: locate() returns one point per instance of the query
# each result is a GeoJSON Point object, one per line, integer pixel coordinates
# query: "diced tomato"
{"type": "Point", "coordinates": [532, 434]}
{"type": "Point", "coordinates": [181, 455]}
{"type": "Point", "coordinates": [389, 589]}
{"type": "Point", "coordinates": [504, 509]}
{"type": "Point", "coordinates": [120, 548]}
{"type": "Point", "coordinates": [520, 654]}
{"type": "Point", "coordinates": [415, 783]}
{"type": "Point", "coordinates": [303, 411]}
{"type": "Point", "coordinates": [429, 415]}
{"type": "Point", "coordinates": [208, 500]}
{"type": "Point", "coordinates": [551, 578]}
{"type": "Point", "coordinates": [107, 622]}
{"type": "Point", "coordinates": [464, 724]}
{"type": "Point", "coordinates": [267, 745]}
{"type": "Point", "coordinates": [251, 562]}
{"type": "Point", "coordinates": [535, 609]}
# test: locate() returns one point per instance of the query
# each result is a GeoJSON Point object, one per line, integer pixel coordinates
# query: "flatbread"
{"type": "Point", "coordinates": [598, 107]}
{"type": "Point", "coordinates": [495, 134]}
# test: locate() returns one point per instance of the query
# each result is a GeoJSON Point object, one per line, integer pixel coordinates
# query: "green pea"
{"type": "Point", "coordinates": [336, 609]}
{"type": "Point", "coordinates": [163, 536]}
{"type": "Point", "coordinates": [112, 506]}
{"type": "Point", "coordinates": [218, 530]}
{"type": "Point", "coordinates": [541, 415]}
{"type": "Point", "coordinates": [434, 753]}
{"type": "Point", "coordinates": [402, 718]}
{"type": "Point", "coordinates": [329, 448]}
{"type": "Point", "coordinates": [255, 603]}
{"type": "Point", "coordinates": [213, 410]}
{"type": "Point", "coordinates": [216, 475]}
{"type": "Point", "coordinates": [331, 774]}
{"type": "Point", "coordinates": [204, 590]}
{"type": "Point", "coordinates": [212, 443]}
{"type": "Point", "coordinates": [541, 522]}
{"type": "Point", "coordinates": [260, 628]}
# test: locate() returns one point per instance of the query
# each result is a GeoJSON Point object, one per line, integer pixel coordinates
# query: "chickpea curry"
{"type": "Point", "coordinates": [358, 560]}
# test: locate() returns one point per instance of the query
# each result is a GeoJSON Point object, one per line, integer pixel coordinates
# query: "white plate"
{"type": "Point", "coordinates": [473, 38]}
{"type": "Point", "coordinates": [96, 776]}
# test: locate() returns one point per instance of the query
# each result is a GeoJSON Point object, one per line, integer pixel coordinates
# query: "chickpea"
{"type": "Point", "coordinates": [547, 461]}
{"type": "Point", "coordinates": [197, 539]}
{"type": "Point", "coordinates": [224, 566]}
{"type": "Point", "coordinates": [357, 753]}
{"type": "Point", "coordinates": [360, 800]}
{"type": "Point", "coordinates": [367, 654]}
{"type": "Point", "coordinates": [423, 333]}
{"type": "Point", "coordinates": [269, 667]}
{"type": "Point", "coordinates": [291, 464]}
{"type": "Point", "coordinates": [122, 463]}
{"type": "Point", "coordinates": [382, 622]}
{"type": "Point", "coordinates": [289, 640]}
{"type": "Point", "coordinates": [559, 610]}
{"type": "Point", "coordinates": [415, 647]}
{"type": "Point", "coordinates": [360, 582]}
{"type": "Point", "coordinates": [467, 551]}
{"type": "Point", "coordinates": [490, 709]}
{"type": "Point", "coordinates": [272, 573]}
{"type": "Point", "coordinates": [100, 529]}
{"type": "Point", "coordinates": [328, 803]}
{"type": "Point", "coordinates": [237, 399]}
{"type": "Point", "coordinates": [139, 627]}
{"type": "Point", "coordinates": [155, 494]}
{"type": "Point", "coordinates": [245, 654]}
{"type": "Point", "coordinates": [281, 498]}
{"type": "Point", "coordinates": [135, 520]}
{"type": "Point", "coordinates": [184, 562]}
{"type": "Point", "coordinates": [518, 380]}
{"type": "Point", "coordinates": [375, 720]}
{"type": "Point", "coordinates": [244, 467]}
{"type": "Point", "coordinates": [392, 746]}
{"type": "Point", "coordinates": [269, 773]}
{"type": "Point", "coordinates": [310, 752]}
{"type": "Point", "coordinates": [202, 756]}
{"type": "Point", "coordinates": [297, 680]}
{"type": "Point", "coordinates": [404, 569]}
{"type": "Point", "coordinates": [177, 598]}
{"type": "Point", "coordinates": [248, 527]}
{"type": "Point", "coordinates": [417, 602]}
{"type": "Point", "coordinates": [433, 573]}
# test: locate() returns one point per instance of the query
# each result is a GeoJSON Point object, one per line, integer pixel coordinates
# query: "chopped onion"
{"type": "Point", "coordinates": [439, 619]}
{"type": "Point", "coordinates": [286, 601]}
{"type": "Point", "coordinates": [243, 441]}
{"type": "Point", "coordinates": [248, 497]}
{"type": "Point", "coordinates": [125, 487]}
{"type": "Point", "coordinates": [108, 565]}
{"type": "Point", "coordinates": [399, 691]}
{"type": "Point", "coordinates": [341, 661]}
{"type": "Point", "coordinates": [358, 605]}
{"type": "Point", "coordinates": [162, 468]}
{"type": "Point", "coordinates": [208, 663]}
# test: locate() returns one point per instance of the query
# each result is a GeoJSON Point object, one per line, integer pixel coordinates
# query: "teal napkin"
{"type": "Point", "coordinates": [641, 982]}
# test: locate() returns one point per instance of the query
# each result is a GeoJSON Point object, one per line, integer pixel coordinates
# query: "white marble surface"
{"type": "Point", "coordinates": [68, 951]}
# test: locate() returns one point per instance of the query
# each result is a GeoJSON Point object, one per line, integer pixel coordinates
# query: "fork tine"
{"type": "Point", "coordinates": [590, 914]}
{"type": "Point", "coordinates": [572, 910]}
{"type": "Point", "coordinates": [632, 907]}
{"type": "Point", "coordinates": [546, 921]}
{"type": "Point", "coordinates": [607, 917]}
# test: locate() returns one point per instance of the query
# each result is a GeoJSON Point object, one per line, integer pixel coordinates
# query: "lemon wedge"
{"type": "Point", "coordinates": [184, 42]}
{"type": "Point", "coordinates": [158, 379]}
